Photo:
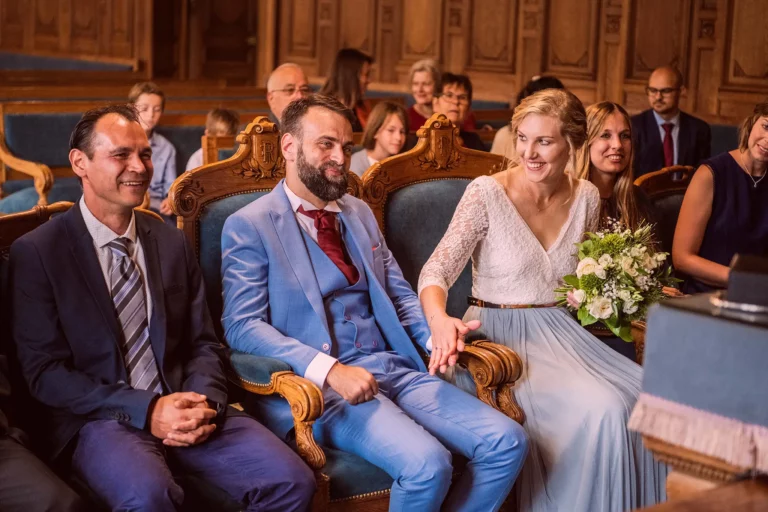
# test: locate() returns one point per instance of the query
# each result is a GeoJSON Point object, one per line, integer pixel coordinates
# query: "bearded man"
{"type": "Point", "coordinates": [308, 279]}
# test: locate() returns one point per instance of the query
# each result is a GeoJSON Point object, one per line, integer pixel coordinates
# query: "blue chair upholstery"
{"type": "Point", "coordinates": [186, 140]}
{"type": "Point", "coordinates": [23, 134]}
{"type": "Point", "coordinates": [64, 189]}
{"type": "Point", "coordinates": [426, 223]}
{"type": "Point", "coordinates": [724, 138]}
{"type": "Point", "coordinates": [226, 153]}
{"type": "Point", "coordinates": [209, 252]}
{"type": "Point", "coordinates": [36, 62]}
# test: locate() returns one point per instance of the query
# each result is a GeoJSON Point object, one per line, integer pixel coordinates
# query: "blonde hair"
{"type": "Point", "coordinates": [428, 65]}
{"type": "Point", "coordinates": [745, 130]}
{"type": "Point", "coordinates": [222, 121]}
{"type": "Point", "coordinates": [562, 105]}
{"type": "Point", "coordinates": [623, 189]}
{"type": "Point", "coordinates": [376, 120]}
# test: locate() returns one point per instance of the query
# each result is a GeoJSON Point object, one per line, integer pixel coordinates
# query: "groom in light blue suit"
{"type": "Point", "coordinates": [308, 279]}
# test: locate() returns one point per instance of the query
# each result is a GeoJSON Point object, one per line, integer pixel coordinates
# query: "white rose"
{"type": "Point", "coordinates": [625, 295]}
{"type": "Point", "coordinates": [630, 307]}
{"type": "Point", "coordinates": [579, 296]}
{"type": "Point", "coordinates": [637, 251]}
{"type": "Point", "coordinates": [585, 267]}
{"type": "Point", "coordinates": [600, 271]}
{"type": "Point", "coordinates": [605, 260]}
{"type": "Point", "coordinates": [648, 262]}
{"type": "Point", "coordinates": [627, 264]}
{"type": "Point", "coordinates": [660, 256]}
{"type": "Point", "coordinates": [601, 308]}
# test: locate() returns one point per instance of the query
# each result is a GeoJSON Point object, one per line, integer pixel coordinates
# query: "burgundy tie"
{"type": "Point", "coordinates": [329, 240]}
{"type": "Point", "coordinates": [669, 146]}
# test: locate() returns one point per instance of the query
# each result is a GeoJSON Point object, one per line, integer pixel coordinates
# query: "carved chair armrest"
{"type": "Point", "coordinates": [638, 337]}
{"type": "Point", "coordinates": [267, 376]}
{"type": "Point", "coordinates": [495, 369]}
{"type": "Point", "coordinates": [41, 173]}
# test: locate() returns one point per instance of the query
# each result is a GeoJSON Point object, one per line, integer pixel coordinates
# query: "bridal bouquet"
{"type": "Point", "coordinates": [618, 277]}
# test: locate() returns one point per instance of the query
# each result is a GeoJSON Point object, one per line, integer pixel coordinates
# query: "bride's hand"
{"type": "Point", "coordinates": [448, 335]}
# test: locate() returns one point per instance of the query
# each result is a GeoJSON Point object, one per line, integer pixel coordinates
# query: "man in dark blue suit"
{"type": "Point", "coordinates": [664, 135]}
{"type": "Point", "coordinates": [116, 343]}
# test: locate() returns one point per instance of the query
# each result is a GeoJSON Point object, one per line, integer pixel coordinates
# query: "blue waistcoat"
{"type": "Point", "coordinates": [354, 331]}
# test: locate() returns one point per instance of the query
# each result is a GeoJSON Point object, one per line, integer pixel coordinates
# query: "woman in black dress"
{"type": "Point", "coordinates": [725, 210]}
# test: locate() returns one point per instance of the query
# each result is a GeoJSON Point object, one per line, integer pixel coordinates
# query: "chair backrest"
{"type": "Point", "coordinates": [415, 194]}
{"type": "Point", "coordinates": [216, 148]}
{"type": "Point", "coordinates": [203, 198]}
{"type": "Point", "coordinates": [665, 189]}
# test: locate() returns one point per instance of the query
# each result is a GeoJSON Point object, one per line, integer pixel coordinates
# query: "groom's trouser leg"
{"type": "Point", "coordinates": [495, 445]}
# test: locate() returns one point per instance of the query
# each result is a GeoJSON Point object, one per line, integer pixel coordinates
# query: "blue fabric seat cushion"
{"type": "Point", "coordinates": [24, 133]}
{"type": "Point", "coordinates": [211, 223]}
{"type": "Point", "coordinates": [12, 186]}
{"type": "Point", "coordinates": [415, 220]}
{"type": "Point", "coordinates": [9, 60]}
{"type": "Point", "coordinates": [64, 189]}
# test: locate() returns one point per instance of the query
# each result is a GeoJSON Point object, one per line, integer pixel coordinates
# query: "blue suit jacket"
{"type": "Point", "coordinates": [694, 142]}
{"type": "Point", "coordinates": [67, 334]}
{"type": "Point", "coordinates": [272, 301]}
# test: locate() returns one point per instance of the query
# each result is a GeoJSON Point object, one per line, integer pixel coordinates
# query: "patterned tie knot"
{"type": "Point", "coordinates": [668, 127]}
{"type": "Point", "coordinates": [323, 218]}
{"type": "Point", "coordinates": [120, 246]}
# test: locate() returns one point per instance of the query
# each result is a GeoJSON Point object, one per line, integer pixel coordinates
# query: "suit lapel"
{"type": "Point", "coordinates": [290, 238]}
{"type": "Point", "coordinates": [81, 245]}
{"type": "Point", "coordinates": [154, 278]}
{"type": "Point", "coordinates": [358, 236]}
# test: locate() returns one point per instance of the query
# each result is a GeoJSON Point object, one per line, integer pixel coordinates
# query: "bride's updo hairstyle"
{"type": "Point", "coordinates": [566, 108]}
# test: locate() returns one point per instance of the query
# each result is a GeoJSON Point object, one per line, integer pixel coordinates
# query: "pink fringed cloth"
{"type": "Point", "coordinates": [735, 442]}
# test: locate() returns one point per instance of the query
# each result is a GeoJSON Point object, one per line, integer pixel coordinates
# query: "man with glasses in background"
{"type": "Point", "coordinates": [453, 98]}
{"type": "Point", "coordinates": [663, 134]}
{"type": "Point", "coordinates": [286, 84]}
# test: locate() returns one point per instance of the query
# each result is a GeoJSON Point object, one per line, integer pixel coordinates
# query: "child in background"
{"type": "Point", "coordinates": [220, 122]}
{"type": "Point", "coordinates": [149, 101]}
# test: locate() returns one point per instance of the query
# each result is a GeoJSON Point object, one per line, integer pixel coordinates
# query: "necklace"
{"type": "Point", "coordinates": [754, 181]}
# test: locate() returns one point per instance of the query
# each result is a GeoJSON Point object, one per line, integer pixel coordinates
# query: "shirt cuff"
{"type": "Point", "coordinates": [428, 344]}
{"type": "Point", "coordinates": [318, 368]}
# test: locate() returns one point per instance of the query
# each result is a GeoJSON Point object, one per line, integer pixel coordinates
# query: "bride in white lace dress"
{"type": "Point", "coordinates": [520, 227]}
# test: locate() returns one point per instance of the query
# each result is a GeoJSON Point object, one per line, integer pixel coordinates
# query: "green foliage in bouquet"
{"type": "Point", "coordinates": [618, 277]}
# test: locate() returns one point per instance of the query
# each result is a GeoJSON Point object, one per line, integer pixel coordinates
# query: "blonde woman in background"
{"type": "Point", "coordinates": [383, 137]}
{"type": "Point", "coordinates": [519, 227]}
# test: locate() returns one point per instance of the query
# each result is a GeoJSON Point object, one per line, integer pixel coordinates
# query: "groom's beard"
{"type": "Point", "coordinates": [314, 178]}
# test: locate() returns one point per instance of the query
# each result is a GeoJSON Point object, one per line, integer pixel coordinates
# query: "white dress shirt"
{"type": "Point", "coordinates": [675, 133]}
{"type": "Point", "coordinates": [102, 235]}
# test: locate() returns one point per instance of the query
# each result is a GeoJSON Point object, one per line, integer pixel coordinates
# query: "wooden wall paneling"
{"type": "Point", "coordinates": [357, 25]}
{"type": "Point", "coordinates": [46, 25]}
{"type": "Point", "coordinates": [456, 35]}
{"type": "Point", "coordinates": [83, 30]}
{"type": "Point", "coordinates": [298, 34]}
{"type": "Point", "coordinates": [659, 36]}
{"type": "Point", "coordinates": [327, 34]}
{"type": "Point", "coordinates": [748, 49]}
{"type": "Point", "coordinates": [12, 21]}
{"type": "Point", "coordinates": [493, 36]}
{"type": "Point", "coordinates": [706, 57]}
{"type": "Point", "coordinates": [530, 40]}
{"type": "Point", "coordinates": [572, 47]}
{"type": "Point", "coordinates": [422, 22]}
{"type": "Point", "coordinates": [266, 31]}
{"type": "Point", "coordinates": [612, 50]}
{"type": "Point", "coordinates": [388, 37]}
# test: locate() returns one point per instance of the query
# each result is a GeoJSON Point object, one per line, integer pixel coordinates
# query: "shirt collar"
{"type": "Point", "coordinates": [100, 233]}
{"type": "Point", "coordinates": [296, 201]}
{"type": "Point", "coordinates": [660, 120]}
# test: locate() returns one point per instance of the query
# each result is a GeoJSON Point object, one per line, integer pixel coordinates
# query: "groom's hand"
{"type": "Point", "coordinates": [355, 385]}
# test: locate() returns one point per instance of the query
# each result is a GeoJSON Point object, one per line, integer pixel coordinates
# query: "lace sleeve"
{"type": "Point", "coordinates": [593, 209]}
{"type": "Point", "coordinates": [468, 226]}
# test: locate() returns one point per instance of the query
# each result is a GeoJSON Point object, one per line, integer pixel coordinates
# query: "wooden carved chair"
{"type": "Point", "coordinates": [217, 148]}
{"type": "Point", "coordinates": [414, 196]}
{"type": "Point", "coordinates": [203, 198]}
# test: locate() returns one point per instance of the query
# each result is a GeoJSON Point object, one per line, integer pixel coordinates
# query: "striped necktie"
{"type": "Point", "coordinates": [128, 295]}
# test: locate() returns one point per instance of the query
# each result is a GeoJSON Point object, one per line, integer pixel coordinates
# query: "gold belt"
{"type": "Point", "coordinates": [472, 301]}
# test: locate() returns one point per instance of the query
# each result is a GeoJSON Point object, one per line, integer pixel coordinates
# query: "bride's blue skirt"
{"type": "Point", "coordinates": [577, 395]}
